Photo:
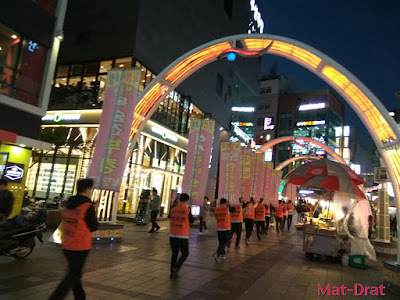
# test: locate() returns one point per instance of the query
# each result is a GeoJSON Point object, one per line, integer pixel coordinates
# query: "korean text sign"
{"type": "Point", "coordinates": [229, 172]}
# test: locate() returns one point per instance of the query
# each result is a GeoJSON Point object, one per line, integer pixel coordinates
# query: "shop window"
{"type": "Point", "coordinates": [91, 69]}
{"type": "Point", "coordinates": [105, 66]}
{"type": "Point", "coordinates": [125, 62]}
{"type": "Point", "coordinates": [148, 77]}
{"type": "Point", "coordinates": [268, 90]}
{"type": "Point", "coordinates": [62, 71]}
{"type": "Point", "coordinates": [76, 70]}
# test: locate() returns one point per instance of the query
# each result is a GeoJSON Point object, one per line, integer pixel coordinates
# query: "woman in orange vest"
{"type": "Point", "coordinates": [279, 215]}
{"type": "Point", "coordinates": [249, 214]}
{"type": "Point", "coordinates": [290, 214]}
{"type": "Point", "coordinates": [79, 220]}
{"type": "Point", "coordinates": [223, 228]}
{"type": "Point", "coordinates": [259, 218]}
{"type": "Point", "coordinates": [181, 216]}
{"type": "Point", "coordinates": [236, 224]}
{"type": "Point", "coordinates": [267, 216]}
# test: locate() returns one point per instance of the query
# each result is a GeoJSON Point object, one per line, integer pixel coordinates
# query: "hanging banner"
{"type": "Point", "coordinates": [198, 159]}
{"type": "Point", "coordinates": [229, 172]}
{"type": "Point", "coordinates": [268, 181]}
{"type": "Point", "coordinates": [277, 182]}
{"type": "Point", "coordinates": [245, 164]}
{"type": "Point", "coordinates": [258, 175]}
{"type": "Point", "coordinates": [108, 164]}
{"type": "Point", "coordinates": [291, 192]}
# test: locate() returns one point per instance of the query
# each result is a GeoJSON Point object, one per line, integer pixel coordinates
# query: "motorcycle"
{"type": "Point", "coordinates": [17, 236]}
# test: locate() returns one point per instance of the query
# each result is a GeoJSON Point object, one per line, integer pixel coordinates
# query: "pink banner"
{"type": "Point", "coordinates": [246, 174]}
{"type": "Point", "coordinates": [277, 183]}
{"type": "Point", "coordinates": [258, 176]}
{"type": "Point", "coordinates": [229, 172]}
{"type": "Point", "coordinates": [268, 179]}
{"type": "Point", "coordinates": [198, 159]}
{"type": "Point", "coordinates": [108, 163]}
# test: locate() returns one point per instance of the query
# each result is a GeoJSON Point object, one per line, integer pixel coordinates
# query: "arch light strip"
{"type": "Point", "coordinates": [293, 159]}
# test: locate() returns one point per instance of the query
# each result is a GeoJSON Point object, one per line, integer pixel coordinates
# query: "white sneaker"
{"type": "Point", "coordinates": [216, 258]}
{"type": "Point", "coordinates": [201, 233]}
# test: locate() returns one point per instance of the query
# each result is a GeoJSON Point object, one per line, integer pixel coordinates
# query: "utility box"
{"type": "Point", "coordinates": [143, 210]}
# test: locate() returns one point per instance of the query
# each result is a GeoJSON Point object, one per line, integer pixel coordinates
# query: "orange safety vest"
{"type": "Point", "coordinates": [279, 211]}
{"type": "Point", "coordinates": [237, 216]}
{"type": "Point", "coordinates": [260, 213]}
{"type": "Point", "coordinates": [179, 227]}
{"type": "Point", "coordinates": [285, 211]}
{"type": "Point", "coordinates": [290, 208]}
{"type": "Point", "coordinates": [249, 211]}
{"type": "Point", "coordinates": [268, 210]}
{"type": "Point", "coordinates": [76, 235]}
{"type": "Point", "coordinates": [223, 218]}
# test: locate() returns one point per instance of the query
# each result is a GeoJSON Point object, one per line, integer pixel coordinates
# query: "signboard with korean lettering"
{"type": "Point", "coordinates": [246, 165]}
{"type": "Point", "coordinates": [108, 163]}
{"type": "Point", "coordinates": [268, 181]}
{"type": "Point", "coordinates": [229, 172]}
{"type": "Point", "coordinates": [291, 191]}
{"type": "Point", "coordinates": [277, 182]}
{"type": "Point", "coordinates": [257, 175]}
{"type": "Point", "coordinates": [194, 183]}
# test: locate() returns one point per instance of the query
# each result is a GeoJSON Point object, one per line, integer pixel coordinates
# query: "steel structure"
{"type": "Point", "coordinates": [296, 158]}
{"type": "Point", "coordinates": [371, 111]}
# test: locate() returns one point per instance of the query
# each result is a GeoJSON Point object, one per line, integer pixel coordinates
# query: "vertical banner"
{"type": "Point", "coordinates": [197, 159]}
{"type": "Point", "coordinates": [229, 172]}
{"type": "Point", "coordinates": [291, 192]}
{"type": "Point", "coordinates": [268, 180]}
{"type": "Point", "coordinates": [246, 174]}
{"type": "Point", "coordinates": [258, 175]}
{"type": "Point", "coordinates": [108, 163]}
{"type": "Point", "coordinates": [277, 183]}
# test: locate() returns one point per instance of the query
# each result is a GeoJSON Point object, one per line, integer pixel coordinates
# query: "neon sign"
{"type": "Point", "coordinates": [241, 134]}
{"type": "Point", "coordinates": [257, 17]}
{"type": "Point", "coordinates": [312, 106]}
{"type": "Point", "coordinates": [268, 123]}
{"type": "Point", "coordinates": [164, 134]}
{"type": "Point", "coordinates": [58, 117]}
{"type": "Point", "coordinates": [311, 123]}
{"type": "Point", "coordinates": [243, 109]}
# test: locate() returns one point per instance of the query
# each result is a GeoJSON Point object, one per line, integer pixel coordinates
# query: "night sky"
{"type": "Point", "coordinates": [361, 35]}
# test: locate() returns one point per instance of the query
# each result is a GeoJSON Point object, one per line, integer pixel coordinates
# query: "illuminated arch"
{"type": "Point", "coordinates": [296, 158]}
{"type": "Point", "coordinates": [371, 111]}
{"type": "Point", "coordinates": [283, 139]}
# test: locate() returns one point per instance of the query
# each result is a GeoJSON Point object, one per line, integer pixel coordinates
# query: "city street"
{"type": "Point", "coordinates": [138, 268]}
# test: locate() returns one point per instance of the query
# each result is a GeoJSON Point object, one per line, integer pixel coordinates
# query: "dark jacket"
{"type": "Point", "coordinates": [6, 202]}
{"type": "Point", "coordinates": [90, 217]}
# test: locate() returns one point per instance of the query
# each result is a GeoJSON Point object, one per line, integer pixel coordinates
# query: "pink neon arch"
{"type": "Point", "coordinates": [293, 159]}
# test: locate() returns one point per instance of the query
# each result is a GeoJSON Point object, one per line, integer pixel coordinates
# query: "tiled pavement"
{"type": "Point", "coordinates": [138, 268]}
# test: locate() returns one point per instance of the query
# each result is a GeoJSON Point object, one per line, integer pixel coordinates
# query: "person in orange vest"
{"type": "Point", "coordinates": [79, 220]}
{"type": "Point", "coordinates": [284, 218]}
{"type": "Point", "coordinates": [223, 219]}
{"type": "Point", "coordinates": [267, 216]}
{"type": "Point", "coordinates": [249, 214]}
{"type": "Point", "coordinates": [236, 224]}
{"type": "Point", "coordinates": [181, 216]}
{"type": "Point", "coordinates": [259, 218]}
{"type": "Point", "coordinates": [290, 214]}
{"type": "Point", "coordinates": [279, 215]}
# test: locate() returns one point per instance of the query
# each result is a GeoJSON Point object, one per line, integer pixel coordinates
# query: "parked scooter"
{"type": "Point", "coordinates": [17, 236]}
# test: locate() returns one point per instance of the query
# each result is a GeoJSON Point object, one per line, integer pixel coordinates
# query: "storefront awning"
{"type": "Point", "coordinates": [11, 137]}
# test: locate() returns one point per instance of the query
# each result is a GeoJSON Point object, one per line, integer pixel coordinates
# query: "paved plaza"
{"type": "Point", "coordinates": [138, 268]}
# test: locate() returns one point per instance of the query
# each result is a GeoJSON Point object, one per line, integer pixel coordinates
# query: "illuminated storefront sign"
{"type": "Point", "coordinates": [243, 109]}
{"type": "Point", "coordinates": [312, 106]}
{"type": "Point", "coordinates": [14, 172]}
{"type": "Point", "coordinates": [257, 17]}
{"type": "Point", "coordinates": [241, 134]}
{"type": "Point", "coordinates": [311, 123]}
{"type": "Point", "coordinates": [58, 117]}
{"type": "Point", "coordinates": [320, 139]}
{"type": "Point", "coordinates": [243, 124]}
{"type": "Point", "coordinates": [269, 123]}
{"type": "Point", "coordinates": [164, 134]}
{"type": "Point", "coordinates": [306, 192]}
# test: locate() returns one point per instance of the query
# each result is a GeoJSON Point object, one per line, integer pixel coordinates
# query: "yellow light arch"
{"type": "Point", "coordinates": [371, 111]}
{"type": "Point", "coordinates": [293, 159]}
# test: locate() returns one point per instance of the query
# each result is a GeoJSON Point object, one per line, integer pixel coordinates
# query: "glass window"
{"type": "Point", "coordinates": [105, 66]}
{"type": "Point", "coordinates": [62, 71]}
{"type": "Point", "coordinates": [91, 69]}
{"type": "Point", "coordinates": [346, 142]}
{"type": "Point", "coordinates": [76, 70]}
{"type": "Point", "coordinates": [125, 62]}
{"type": "Point", "coordinates": [148, 77]}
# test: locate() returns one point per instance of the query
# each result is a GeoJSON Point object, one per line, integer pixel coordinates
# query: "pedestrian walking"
{"type": "Point", "coordinates": [181, 216]}
{"type": "Point", "coordinates": [155, 207]}
{"type": "Point", "coordinates": [79, 220]}
{"type": "Point", "coordinates": [259, 218]}
{"type": "Point", "coordinates": [223, 229]}
{"type": "Point", "coordinates": [249, 214]}
{"type": "Point", "coordinates": [6, 201]}
{"type": "Point", "coordinates": [279, 216]}
{"type": "Point", "coordinates": [284, 218]}
{"type": "Point", "coordinates": [204, 215]}
{"type": "Point", "coordinates": [290, 214]}
{"type": "Point", "coordinates": [236, 224]}
{"type": "Point", "coordinates": [267, 216]}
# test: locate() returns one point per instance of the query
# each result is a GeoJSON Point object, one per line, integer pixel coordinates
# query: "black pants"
{"type": "Point", "coordinates": [249, 227]}
{"type": "Point", "coordinates": [283, 222]}
{"type": "Point", "coordinates": [76, 260]}
{"type": "Point", "coordinates": [202, 223]}
{"type": "Point", "coordinates": [278, 223]}
{"type": "Point", "coordinates": [153, 215]}
{"type": "Point", "coordinates": [223, 238]}
{"type": "Point", "coordinates": [260, 226]}
{"type": "Point", "coordinates": [176, 245]}
{"type": "Point", "coordinates": [235, 228]}
{"type": "Point", "coordinates": [267, 219]}
{"type": "Point", "coordinates": [289, 221]}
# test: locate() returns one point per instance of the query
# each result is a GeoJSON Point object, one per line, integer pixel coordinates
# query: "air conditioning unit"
{"type": "Point", "coordinates": [380, 175]}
